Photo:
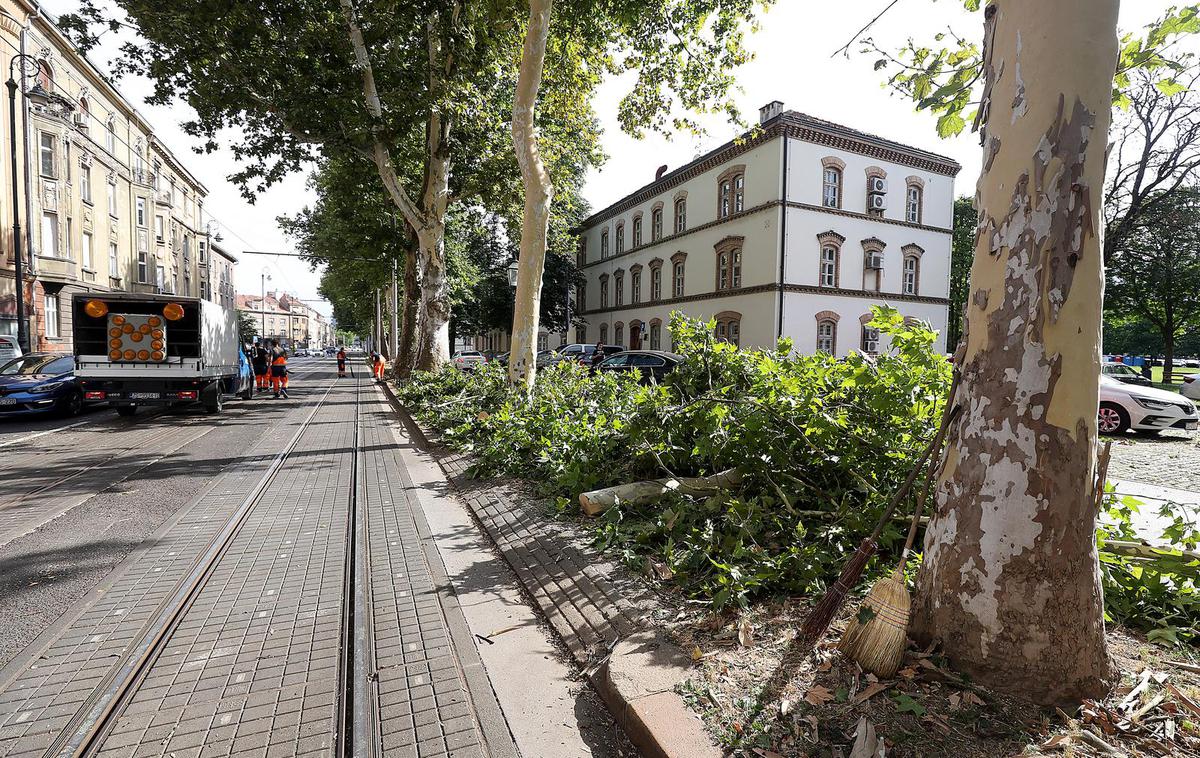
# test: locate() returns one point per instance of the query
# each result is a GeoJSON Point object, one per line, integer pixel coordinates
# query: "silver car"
{"type": "Point", "coordinates": [1144, 409]}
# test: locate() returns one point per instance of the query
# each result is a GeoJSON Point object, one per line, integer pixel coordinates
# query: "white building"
{"type": "Point", "coordinates": [795, 230]}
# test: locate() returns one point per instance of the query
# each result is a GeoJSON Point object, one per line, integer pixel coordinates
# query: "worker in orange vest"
{"type": "Point", "coordinates": [377, 367]}
{"type": "Point", "coordinates": [279, 371]}
{"type": "Point", "coordinates": [341, 361]}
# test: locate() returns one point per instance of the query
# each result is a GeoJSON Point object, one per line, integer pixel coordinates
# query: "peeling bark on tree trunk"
{"type": "Point", "coordinates": [539, 192]}
{"type": "Point", "coordinates": [1010, 584]}
{"type": "Point", "coordinates": [433, 329]}
{"type": "Point", "coordinates": [408, 350]}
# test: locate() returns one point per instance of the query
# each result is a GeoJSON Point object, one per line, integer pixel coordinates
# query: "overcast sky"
{"type": "Point", "coordinates": [792, 64]}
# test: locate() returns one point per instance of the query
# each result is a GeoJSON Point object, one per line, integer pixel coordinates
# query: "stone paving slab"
{"type": "Point", "coordinates": [1172, 459]}
{"type": "Point", "coordinates": [42, 690]}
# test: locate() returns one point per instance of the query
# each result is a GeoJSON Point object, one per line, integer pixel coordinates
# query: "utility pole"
{"type": "Point", "coordinates": [395, 346]}
{"type": "Point", "coordinates": [377, 337]}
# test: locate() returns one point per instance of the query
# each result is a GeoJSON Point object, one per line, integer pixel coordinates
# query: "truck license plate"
{"type": "Point", "coordinates": [144, 395]}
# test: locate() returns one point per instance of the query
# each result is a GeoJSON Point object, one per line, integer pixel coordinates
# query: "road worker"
{"type": "Point", "coordinates": [341, 360]}
{"type": "Point", "coordinates": [279, 370]}
{"type": "Point", "coordinates": [259, 361]}
{"type": "Point", "coordinates": [377, 366]}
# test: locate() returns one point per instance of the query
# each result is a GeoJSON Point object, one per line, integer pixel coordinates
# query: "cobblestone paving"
{"type": "Point", "coordinates": [1170, 460]}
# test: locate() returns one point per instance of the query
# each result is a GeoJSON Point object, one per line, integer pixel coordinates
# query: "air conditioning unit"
{"type": "Point", "coordinates": [870, 340]}
{"type": "Point", "coordinates": [874, 261]}
{"type": "Point", "coordinates": [79, 120]}
{"type": "Point", "coordinates": [876, 185]}
{"type": "Point", "coordinates": [876, 202]}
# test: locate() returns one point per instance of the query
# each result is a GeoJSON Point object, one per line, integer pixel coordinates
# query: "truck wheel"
{"type": "Point", "coordinates": [126, 410]}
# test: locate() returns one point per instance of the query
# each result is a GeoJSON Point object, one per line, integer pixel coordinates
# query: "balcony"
{"type": "Point", "coordinates": [62, 270]}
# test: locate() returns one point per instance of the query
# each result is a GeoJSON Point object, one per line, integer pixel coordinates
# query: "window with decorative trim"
{"type": "Point", "coordinates": [739, 193]}
{"type": "Point", "coordinates": [637, 231]}
{"type": "Point", "coordinates": [656, 282]}
{"type": "Point", "coordinates": [581, 334]}
{"type": "Point", "coordinates": [603, 244]}
{"type": "Point", "coordinates": [912, 274]}
{"type": "Point", "coordinates": [827, 336]}
{"type": "Point", "coordinates": [619, 288]}
{"type": "Point", "coordinates": [581, 257]}
{"type": "Point", "coordinates": [729, 328]}
{"type": "Point", "coordinates": [50, 303]}
{"type": "Point", "coordinates": [729, 263]}
{"type": "Point", "coordinates": [604, 291]}
{"type": "Point", "coordinates": [603, 334]}
{"type": "Point", "coordinates": [635, 285]}
{"type": "Point", "coordinates": [829, 266]}
{"type": "Point", "coordinates": [831, 187]}
{"type": "Point", "coordinates": [677, 272]}
{"type": "Point", "coordinates": [912, 204]}
{"type": "Point", "coordinates": [620, 238]}
{"type": "Point", "coordinates": [680, 215]}
{"type": "Point", "coordinates": [110, 135]}
{"type": "Point", "coordinates": [619, 334]}
{"type": "Point", "coordinates": [655, 334]}
{"type": "Point", "coordinates": [656, 224]}
{"type": "Point", "coordinates": [581, 297]}
{"type": "Point", "coordinates": [45, 76]}
{"type": "Point", "coordinates": [724, 198]}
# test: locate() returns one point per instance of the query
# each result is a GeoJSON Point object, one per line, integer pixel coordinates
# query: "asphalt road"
{"type": "Point", "coordinates": [43, 572]}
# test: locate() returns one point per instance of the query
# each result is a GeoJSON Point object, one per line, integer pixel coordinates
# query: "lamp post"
{"type": "Point", "coordinates": [37, 95]}
{"type": "Point", "coordinates": [263, 303]}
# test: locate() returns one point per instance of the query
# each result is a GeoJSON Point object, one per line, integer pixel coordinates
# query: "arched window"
{"type": "Point", "coordinates": [656, 224]}
{"type": "Point", "coordinates": [581, 297]}
{"type": "Point", "coordinates": [739, 193]}
{"type": "Point", "coordinates": [831, 187]}
{"type": "Point", "coordinates": [827, 336]}
{"type": "Point", "coordinates": [604, 291]}
{"type": "Point", "coordinates": [656, 335]}
{"type": "Point", "coordinates": [729, 263]}
{"type": "Point", "coordinates": [603, 333]}
{"type": "Point", "coordinates": [45, 76]}
{"type": "Point", "coordinates": [677, 262]}
{"type": "Point", "coordinates": [619, 290]}
{"type": "Point", "coordinates": [83, 108]}
{"type": "Point", "coordinates": [635, 284]}
{"type": "Point", "coordinates": [912, 205]}
{"type": "Point", "coordinates": [656, 281]}
{"type": "Point", "coordinates": [912, 274]}
{"type": "Point", "coordinates": [637, 230]}
{"type": "Point", "coordinates": [680, 215]}
{"type": "Point", "coordinates": [603, 244]}
{"type": "Point", "coordinates": [636, 334]}
{"type": "Point", "coordinates": [829, 266]}
{"type": "Point", "coordinates": [724, 198]}
{"type": "Point", "coordinates": [729, 328]}
{"type": "Point", "coordinates": [620, 238]}
{"type": "Point", "coordinates": [110, 135]}
{"type": "Point", "coordinates": [619, 334]}
{"type": "Point", "coordinates": [723, 270]}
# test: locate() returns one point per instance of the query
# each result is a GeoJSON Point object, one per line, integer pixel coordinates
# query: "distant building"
{"type": "Point", "coordinates": [795, 230]}
{"type": "Point", "coordinates": [287, 320]}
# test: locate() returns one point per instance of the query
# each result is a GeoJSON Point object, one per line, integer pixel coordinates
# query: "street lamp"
{"type": "Point", "coordinates": [512, 270]}
{"type": "Point", "coordinates": [263, 303]}
{"type": "Point", "coordinates": [38, 96]}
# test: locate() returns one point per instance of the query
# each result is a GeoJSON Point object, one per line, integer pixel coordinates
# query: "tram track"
{"type": "Point", "coordinates": [357, 729]}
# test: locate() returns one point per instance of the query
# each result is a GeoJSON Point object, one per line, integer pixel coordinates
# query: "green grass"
{"type": "Point", "coordinates": [1156, 373]}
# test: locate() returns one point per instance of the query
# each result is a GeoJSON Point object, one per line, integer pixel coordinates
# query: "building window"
{"type": "Point", "coordinates": [52, 325]}
{"type": "Point", "coordinates": [724, 198]}
{"type": "Point", "coordinates": [870, 340]}
{"type": "Point", "coordinates": [829, 266]}
{"type": "Point", "coordinates": [677, 280]}
{"type": "Point", "coordinates": [912, 205]}
{"type": "Point", "coordinates": [110, 135]}
{"type": "Point", "coordinates": [159, 232]}
{"type": "Point", "coordinates": [680, 215]}
{"type": "Point", "coordinates": [656, 283]}
{"type": "Point", "coordinates": [731, 190]}
{"type": "Point", "coordinates": [826, 336]}
{"type": "Point", "coordinates": [655, 335]}
{"type": "Point", "coordinates": [620, 238]}
{"type": "Point", "coordinates": [85, 184]}
{"type": "Point", "coordinates": [48, 155]}
{"type": "Point", "coordinates": [112, 197]}
{"type": "Point", "coordinates": [45, 76]}
{"type": "Point", "coordinates": [729, 264]}
{"type": "Point", "coordinates": [141, 212]}
{"type": "Point", "coordinates": [114, 268]}
{"type": "Point", "coordinates": [619, 291]}
{"type": "Point", "coordinates": [604, 291]}
{"type": "Point", "coordinates": [729, 328]}
{"type": "Point", "coordinates": [543, 340]}
{"type": "Point", "coordinates": [619, 334]}
{"type": "Point", "coordinates": [656, 226]}
{"type": "Point", "coordinates": [87, 251]}
{"type": "Point", "coordinates": [49, 234]}
{"type": "Point", "coordinates": [603, 333]}
{"type": "Point", "coordinates": [739, 193]}
{"type": "Point", "coordinates": [637, 231]}
{"type": "Point", "coordinates": [831, 187]}
{"type": "Point", "coordinates": [635, 287]}
{"type": "Point", "coordinates": [912, 271]}
{"type": "Point", "coordinates": [603, 244]}
{"type": "Point", "coordinates": [143, 267]}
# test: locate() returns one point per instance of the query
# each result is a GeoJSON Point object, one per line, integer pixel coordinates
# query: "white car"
{"type": "Point", "coordinates": [1143, 409]}
{"type": "Point", "coordinates": [467, 360]}
{"type": "Point", "coordinates": [9, 348]}
{"type": "Point", "coordinates": [1191, 386]}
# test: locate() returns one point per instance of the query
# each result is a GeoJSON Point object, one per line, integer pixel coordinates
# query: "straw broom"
{"type": "Point", "coordinates": [877, 635]}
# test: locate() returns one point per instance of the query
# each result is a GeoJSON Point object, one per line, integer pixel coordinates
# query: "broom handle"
{"type": "Point", "coordinates": [916, 519]}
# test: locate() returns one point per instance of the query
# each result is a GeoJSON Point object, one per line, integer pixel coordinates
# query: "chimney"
{"type": "Point", "coordinates": [661, 170]}
{"type": "Point", "coordinates": [770, 111]}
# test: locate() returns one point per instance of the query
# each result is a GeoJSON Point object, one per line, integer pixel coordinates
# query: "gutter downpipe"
{"type": "Point", "coordinates": [782, 232]}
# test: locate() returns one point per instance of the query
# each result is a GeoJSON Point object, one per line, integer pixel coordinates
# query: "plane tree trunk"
{"type": "Point", "coordinates": [1010, 584]}
{"type": "Point", "coordinates": [539, 192]}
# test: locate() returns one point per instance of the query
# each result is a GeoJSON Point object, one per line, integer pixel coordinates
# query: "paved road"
{"type": "Point", "coordinates": [1171, 459]}
{"type": "Point", "coordinates": [262, 583]}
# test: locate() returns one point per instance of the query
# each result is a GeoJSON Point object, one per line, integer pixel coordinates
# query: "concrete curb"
{"type": "Point", "coordinates": [638, 676]}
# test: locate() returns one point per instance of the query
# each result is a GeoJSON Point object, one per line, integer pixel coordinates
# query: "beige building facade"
{"type": "Point", "coordinates": [286, 319]}
{"type": "Point", "coordinates": [104, 204]}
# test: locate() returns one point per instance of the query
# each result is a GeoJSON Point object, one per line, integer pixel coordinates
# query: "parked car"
{"type": "Point", "coordinates": [40, 383]}
{"type": "Point", "coordinates": [1191, 386]}
{"type": "Point", "coordinates": [1124, 373]}
{"type": "Point", "coordinates": [583, 353]}
{"type": "Point", "coordinates": [9, 348]}
{"type": "Point", "coordinates": [468, 360]}
{"type": "Point", "coordinates": [502, 359]}
{"type": "Point", "coordinates": [546, 358]}
{"type": "Point", "coordinates": [651, 364]}
{"type": "Point", "coordinates": [1144, 409]}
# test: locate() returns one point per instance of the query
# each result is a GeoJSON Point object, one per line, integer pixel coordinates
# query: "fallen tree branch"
{"type": "Point", "coordinates": [638, 493]}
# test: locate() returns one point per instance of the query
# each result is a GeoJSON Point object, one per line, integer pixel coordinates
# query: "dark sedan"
{"type": "Point", "coordinates": [651, 364]}
{"type": "Point", "coordinates": [40, 383]}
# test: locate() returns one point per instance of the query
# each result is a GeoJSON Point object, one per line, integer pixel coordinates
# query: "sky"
{"type": "Point", "coordinates": [792, 63]}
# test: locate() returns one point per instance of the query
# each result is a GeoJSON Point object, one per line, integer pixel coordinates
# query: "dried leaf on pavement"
{"type": "Point", "coordinates": [870, 691]}
{"type": "Point", "coordinates": [866, 743]}
{"type": "Point", "coordinates": [818, 695]}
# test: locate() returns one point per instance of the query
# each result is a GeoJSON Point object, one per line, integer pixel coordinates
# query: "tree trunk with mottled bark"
{"type": "Point", "coordinates": [433, 329]}
{"type": "Point", "coordinates": [410, 315]}
{"type": "Point", "coordinates": [1010, 585]}
{"type": "Point", "coordinates": [539, 192]}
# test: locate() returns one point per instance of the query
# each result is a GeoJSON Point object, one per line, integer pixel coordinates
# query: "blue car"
{"type": "Point", "coordinates": [40, 383]}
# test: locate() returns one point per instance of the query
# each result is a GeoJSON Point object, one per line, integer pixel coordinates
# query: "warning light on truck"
{"type": "Point", "coordinates": [171, 312]}
{"type": "Point", "coordinates": [96, 308]}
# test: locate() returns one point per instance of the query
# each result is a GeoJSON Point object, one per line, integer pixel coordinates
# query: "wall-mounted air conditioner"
{"type": "Point", "coordinates": [876, 185]}
{"type": "Point", "coordinates": [876, 202]}
{"type": "Point", "coordinates": [79, 120]}
{"type": "Point", "coordinates": [874, 261]}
